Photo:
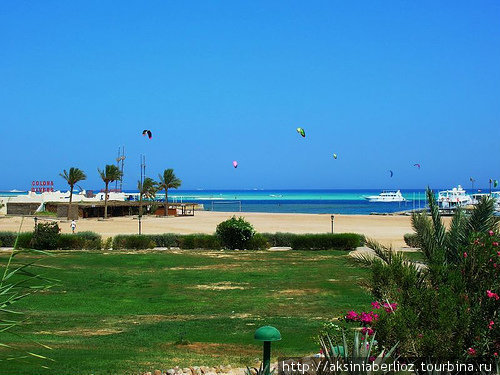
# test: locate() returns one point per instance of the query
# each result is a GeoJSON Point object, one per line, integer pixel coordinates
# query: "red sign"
{"type": "Point", "coordinates": [42, 186]}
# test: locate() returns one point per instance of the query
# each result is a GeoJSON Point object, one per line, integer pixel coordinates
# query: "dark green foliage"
{"type": "Point", "coordinates": [450, 307]}
{"type": "Point", "coordinates": [235, 233]}
{"type": "Point", "coordinates": [45, 236]}
{"type": "Point", "coordinates": [199, 241]}
{"type": "Point", "coordinates": [327, 241]}
{"type": "Point", "coordinates": [79, 241]}
{"type": "Point", "coordinates": [7, 238]}
{"type": "Point", "coordinates": [258, 242]}
{"type": "Point", "coordinates": [133, 241]}
{"type": "Point", "coordinates": [279, 239]}
{"type": "Point", "coordinates": [411, 240]}
{"type": "Point", "coordinates": [165, 239]}
{"type": "Point", "coordinates": [24, 240]}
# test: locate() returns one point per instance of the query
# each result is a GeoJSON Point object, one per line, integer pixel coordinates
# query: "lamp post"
{"type": "Point", "coordinates": [36, 221]}
{"type": "Point", "coordinates": [267, 334]}
{"type": "Point", "coordinates": [332, 217]}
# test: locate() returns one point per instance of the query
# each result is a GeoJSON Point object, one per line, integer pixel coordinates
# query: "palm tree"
{"type": "Point", "coordinates": [111, 173]}
{"type": "Point", "coordinates": [74, 176]}
{"type": "Point", "coordinates": [168, 181]}
{"type": "Point", "coordinates": [147, 189]}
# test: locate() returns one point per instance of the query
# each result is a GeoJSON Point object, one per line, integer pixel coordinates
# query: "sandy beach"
{"type": "Point", "coordinates": [386, 229]}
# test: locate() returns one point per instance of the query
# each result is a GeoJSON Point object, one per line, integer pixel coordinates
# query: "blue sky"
{"type": "Point", "coordinates": [382, 84]}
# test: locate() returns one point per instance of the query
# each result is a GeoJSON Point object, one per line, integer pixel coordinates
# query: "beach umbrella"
{"type": "Point", "coordinates": [235, 164]}
{"type": "Point", "coordinates": [301, 132]}
{"type": "Point", "coordinates": [148, 132]}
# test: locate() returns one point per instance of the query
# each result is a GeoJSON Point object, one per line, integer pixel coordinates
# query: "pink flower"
{"type": "Point", "coordinates": [490, 326]}
{"type": "Point", "coordinates": [371, 359]}
{"type": "Point", "coordinates": [465, 255]}
{"type": "Point", "coordinates": [471, 351]}
{"type": "Point", "coordinates": [420, 335]}
{"type": "Point", "coordinates": [376, 305]}
{"type": "Point", "coordinates": [368, 330]}
{"type": "Point", "coordinates": [490, 294]}
{"type": "Point", "coordinates": [495, 243]}
{"type": "Point", "coordinates": [495, 354]}
{"type": "Point", "coordinates": [491, 233]}
{"type": "Point", "coordinates": [366, 318]}
{"type": "Point", "coordinates": [498, 253]}
{"type": "Point", "coordinates": [352, 315]}
{"type": "Point", "coordinates": [390, 307]}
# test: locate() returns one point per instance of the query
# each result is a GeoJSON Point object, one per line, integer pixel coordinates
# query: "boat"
{"type": "Point", "coordinates": [387, 196]}
{"type": "Point", "coordinates": [451, 199]}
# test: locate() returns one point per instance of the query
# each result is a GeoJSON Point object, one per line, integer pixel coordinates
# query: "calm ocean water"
{"type": "Point", "coordinates": [291, 201]}
{"type": "Point", "coordinates": [296, 201]}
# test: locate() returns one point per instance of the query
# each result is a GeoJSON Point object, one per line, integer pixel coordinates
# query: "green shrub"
{"type": "Point", "coordinates": [24, 240]}
{"type": "Point", "coordinates": [327, 241]}
{"type": "Point", "coordinates": [199, 241]}
{"type": "Point", "coordinates": [258, 242]}
{"type": "Point", "coordinates": [165, 240]}
{"type": "Point", "coordinates": [133, 241]}
{"type": "Point", "coordinates": [79, 241]}
{"type": "Point", "coordinates": [235, 233]}
{"type": "Point", "coordinates": [279, 239]}
{"type": "Point", "coordinates": [411, 239]}
{"type": "Point", "coordinates": [7, 239]}
{"type": "Point", "coordinates": [46, 236]}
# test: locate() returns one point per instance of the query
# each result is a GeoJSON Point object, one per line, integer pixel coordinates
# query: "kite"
{"type": "Point", "coordinates": [235, 164]}
{"type": "Point", "coordinates": [301, 132]}
{"type": "Point", "coordinates": [148, 132]}
{"type": "Point", "coordinates": [391, 172]}
{"type": "Point", "coordinates": [335, 156]}
{"type": "Point", "coordinates": [416, 165]}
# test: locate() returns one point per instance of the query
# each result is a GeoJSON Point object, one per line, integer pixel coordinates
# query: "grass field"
{"type": "Point", "coordinates": [124, 313]}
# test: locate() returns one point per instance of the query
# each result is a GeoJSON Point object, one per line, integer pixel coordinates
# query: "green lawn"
{"type": "Point", "coordinates": [122, 313]}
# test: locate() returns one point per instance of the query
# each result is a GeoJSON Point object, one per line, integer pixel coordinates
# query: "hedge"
{"type": "Point", "coordinates": [411, 240]}
{"type": "Point", "coordinates": [79, 241]}
{"type": "Point", "coordinates": [133, 241]}
{"type": "Point", "coordinates": [7, 239]}
{"type": "Point", "coordinates": [279, 239]}
{"type": "Point", "coordinates": [327, 241]}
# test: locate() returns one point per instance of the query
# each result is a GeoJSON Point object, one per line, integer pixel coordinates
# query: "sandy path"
{"type": "Point", "coordinates": [386, 229]}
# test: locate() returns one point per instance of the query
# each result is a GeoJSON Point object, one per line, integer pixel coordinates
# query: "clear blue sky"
{"type": "Point", "coordinates": [384, 84]}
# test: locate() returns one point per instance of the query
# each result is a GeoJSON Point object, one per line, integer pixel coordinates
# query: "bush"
{"type": "Point", "coordinates": [46, 236]}
{"type": "Point", "coordinates": [7, 239]}
{"type": "Point", "coordinates": [165, 240]}
{"type": "Point", "coordinates": [199, 241]}
{"type": "Point", "coordinates": [411, 240]}
{"type": "Point", "coordinates": [327, 241]}
{"type": "Point", "coordinates": [133, 241]}
{"type": "Point", "coordinates": [258, 242]}
{"type": "Point", "coordinates": [235, 233]}
{"type": "Point", "coordinates": [24, 240]}
{"type": "Point", "coordinates": [79, 241]}
{"type": "Point", "coordinates": [279, 239]}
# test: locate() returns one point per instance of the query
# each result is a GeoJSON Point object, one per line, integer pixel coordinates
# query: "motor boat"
{"type": "Point", "coordinates": [387, 196]}
{"type": "Point", "coordinates": [451, 199]}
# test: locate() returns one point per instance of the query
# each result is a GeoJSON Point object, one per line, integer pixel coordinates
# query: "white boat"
{"type": "Point", "coordinates": [495, 195]}
{"type": "Point", "coordinates": [451, 199]}
{"type": "Point", "coordinates": [387, 196]}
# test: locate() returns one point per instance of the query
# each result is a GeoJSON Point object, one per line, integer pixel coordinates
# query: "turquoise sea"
{"type": "Point", "coordinates": [345, 201]}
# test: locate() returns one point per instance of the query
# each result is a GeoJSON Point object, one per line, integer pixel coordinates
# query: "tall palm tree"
{"type": "Point", "coordinates": [111, 173]}
{"type": "Point", "coordinates": [147, 189]}
{"type": "Point", "coordinates": [168, 181]}
{"type": "Point", "coordinates": [72, 177]}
